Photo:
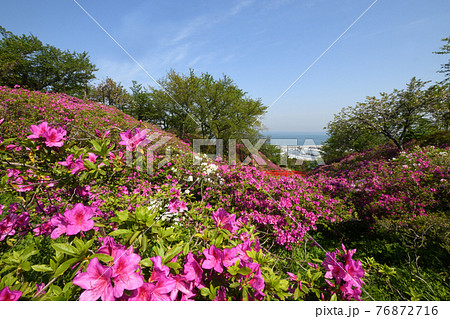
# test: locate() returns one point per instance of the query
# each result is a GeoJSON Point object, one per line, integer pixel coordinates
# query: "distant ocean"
{"type": "Point", "coordinates": [295, 138]}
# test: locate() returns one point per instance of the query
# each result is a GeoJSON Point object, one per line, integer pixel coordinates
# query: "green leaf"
{"type": "Point", "coordinates": [205, 292]}
{"type": "Point", "coordinates": [123, 215]}
{"type": "Point", "coordinates": [172, 253]}
{"type": "Point", "coordinates": [42, 268]}
{"type": "Point", "coordinates": [64, 266]}
{"type": "Point", "coordinates": [146, 262]}
{"type": "Point", "coordinates": [120, 232]}
{"type": "Point", "coordinates": [25, 265]}
{"type": "Point", "coordinates": [96, 145]}
{"type": "Point", "coordinates": [333, 297]}
{"type": "Point", "coordinates": [173, 265]}
{"type": "Point", "coordinates": [316, 276]}
{"type": "Point", "coordinates": [102, 257]}
{"type": "Point", "coordinates": [297, 293]}
{"type": "Point", "coordinates": [244, 271]}
{"type": "Point", "coordinates": [89, 165]}
{"type": "Point", "coordinates": [234, 284]}
{"type": "Point", "coordinates": [186, 249]}
{"type": "Point", "coordinates": [66, 249]}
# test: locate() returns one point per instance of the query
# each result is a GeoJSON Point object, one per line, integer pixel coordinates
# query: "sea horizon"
{"type": "Point", "coordinates": [296, 137]}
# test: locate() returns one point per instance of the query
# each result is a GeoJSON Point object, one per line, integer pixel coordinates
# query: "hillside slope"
{"type": "Point", "coordinates": [91, 207]}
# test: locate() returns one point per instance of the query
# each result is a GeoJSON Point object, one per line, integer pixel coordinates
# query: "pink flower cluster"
{"type": "Point", "coordinates": [345, 271]}
{"type": "Point", "coordinates": [109, 282]}
{"type": "Point", "coordinates": [14, 223]}
{"type": "Point", "coordinates": [132, 141]}
{"type": "Point", "coordinates": [52, 137]}
{"type": "Point", "coordinates": [73, 221]}
{"type": "Point", "coordinates": [7, 295]}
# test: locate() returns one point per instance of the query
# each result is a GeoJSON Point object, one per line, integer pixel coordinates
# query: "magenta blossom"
{"type": "Point", "coordinates": [79, 219]}
{"type": "Point", "coordinates": [181, 286]}
{"type": "Point", "coordinates": [159, 270]}
{"type": "Point", "coordinates": [54, 137]}
{"type": "Point", "coordinates": [224, 220]}
{"type": "Point", "coordinates": [97, 282]}
{"type": "Point", "coordinates": [154, 292]}
{"type": "Point", "coordinates": [133, 141]}
{"type": "Point", "coordinates": [109, 247]}
{"type": "Point", "coordinates": [38, 130]}
{"type": "Point", "coordinates": [124, 272]}
{"type": "Point", "coordinates": [214, 259]}
{"type": "Point", "coordinates": [230, 257]}
{"type": "Point", "coordinates": [193, 271]}
{"type": "Point", "coordinates": [60, 222]}
{"type": "Point", "coordinates": [7, 295]}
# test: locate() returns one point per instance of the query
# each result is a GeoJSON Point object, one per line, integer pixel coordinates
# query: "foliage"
{"type": "Point", "coordinates": [26, 61]}
{"type": "Point", "coordinates": [191, 104]}
{"type": "Point", "coordinates": [109, 92]}
{"type": "Point", "coordinates": [445, 49]}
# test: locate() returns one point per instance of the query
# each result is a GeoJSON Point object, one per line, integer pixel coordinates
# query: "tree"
{"type": "Point", "coordinates": [26, 61]}
{"type": "Point", "coordinates": [110, 93]}
{"type": "Point", "coordinates": [445, 68]}
{"type": "Point", "coordinates": [396, 117]}
{"type": "Point", "coordinates": [199, 105]}
{"type": "Point", "coordinates": [438, 98]}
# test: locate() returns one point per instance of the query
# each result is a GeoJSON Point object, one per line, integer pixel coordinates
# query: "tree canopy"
{"type": "Point", "coordinates": [26, 61]}
{"type": "Point", "coordinates": [398, 117]}
{"type": "Point", "coordinates": [445, 68]}
{"type": "Point", "coordinates": [110, 92]}
{"type": "Point", "coordinates": [201, 105]}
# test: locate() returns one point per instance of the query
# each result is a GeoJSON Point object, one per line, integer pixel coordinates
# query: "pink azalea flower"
{"type": "Point", "coordinates": [181, 286]}
{"type": "Point", "coordinates": [7, 295]}
{"type": "Point", "coordinates": [79, 219]}
{"type": "Point", "coordinates": [109, 246]}
{"type": "Point", "coordinates": [133, 141]}
{"type": "Point", "coordinates": [159, 270]}
{"type": "Point", "coordinates": [154, 292]}
{"type": "Point", "coordinates": [256, 281]}
{"type": "Point", "coordinates": [60, 223]}
{"type": "Point", "coordinates": [39, 287]}
{"type": "Point", "coordinates": [143, 293]}
{"type": "Point", "coordinates": [173, 205]}
{"type": "Point", "coordinates": [8, 225]}
{"type": "Point", "coordinates": [69, 162]}
{"type": "Point", "coordinates": [54, 137]}
{"type": "Point", "coordinates": [183, 206]}
{"type": "Point", "coordinates": [92, 157]}
{"type": "Point", "coordinates": [97, 282]}
{"type": "Point", "coordinates": [124, 272]}
{"type": "Point", "coordinates": [334, 268]}
{"type": "Point", "coordinates": [292, 276]}
{"type": "Point", "coordinates": [193, 271]}
{"type": "Point", "coordinates": [230, 257]}
{"type": "Point", "coordinates": [38, 130]}
{"type": "Point", "coordinates": [354, 272]}
{"type": "Point", "coordinates": [214, 259]}
{"type": "Point", "coordinates": [224, 220]}
{"type": "Point", "coordinates": [78, 165]}
{"type": "Point", "coordinates": [162, 288]}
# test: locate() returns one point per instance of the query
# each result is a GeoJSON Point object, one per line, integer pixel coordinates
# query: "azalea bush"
{"type": "Point", "coordinates": [94, 210]}
{"type": "Point", "coordinates": [81, 223]}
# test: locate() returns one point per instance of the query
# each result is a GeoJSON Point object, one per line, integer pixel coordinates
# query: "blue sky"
{"type": "Point", "coordinates": [262, 45]}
